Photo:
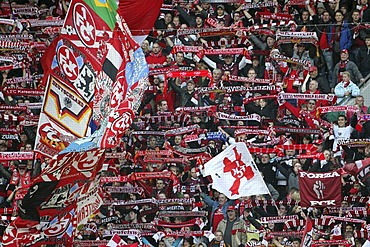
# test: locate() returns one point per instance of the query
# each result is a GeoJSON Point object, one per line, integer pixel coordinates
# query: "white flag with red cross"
{"type": "Point", "coordinates": [234, 173]}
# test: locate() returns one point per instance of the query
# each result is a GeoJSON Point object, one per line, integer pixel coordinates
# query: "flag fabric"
{"type": "Point", "coordinates": [320, 189]}
{"type": "Point", "coordinates": [140, 16]}
{"type": "Point", "coordinates": [234, 173]}
{"type": "Point", "coordinates": [65, 194]}
{"type": "Point", "coordinates": [95, 75]}
{"type": "Point", "coordinates": [107, 10]}
{"type": "Point", "coordinates": [336, 232]}
{"type": "Point", "coordinates": [367, 243]}
{"type": "Point", "coordinates": [116, 241]}
{"type": "Point", "coordinates": [86, 109]}
{"type": "Point", "coordinates": [307, 234]}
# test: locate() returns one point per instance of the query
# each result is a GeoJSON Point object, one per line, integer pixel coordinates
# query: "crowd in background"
{"type": "Point", "coordinates": [335, 61]}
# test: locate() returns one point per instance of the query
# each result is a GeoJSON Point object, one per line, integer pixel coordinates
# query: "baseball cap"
{"type": "Point", "coordinates": [320, 5]}
{"type": "Point", "coordinates": [220, 6]}
{"type": "Point", "coordinates": [230, 208]}
{"type": "Point", "coordinates": [344, 51]}
{"type": "Point", "coordinates": [312, 68]}
{"type": "Point", "coordinates": [317, 142]}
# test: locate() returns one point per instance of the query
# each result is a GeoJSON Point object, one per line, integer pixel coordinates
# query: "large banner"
{"type": "Point", "coordinates": [95, 78]}
{"type": "Point", "coordinates": [320, 189]}
{"type": "Point", "coordinates": [65, 194]}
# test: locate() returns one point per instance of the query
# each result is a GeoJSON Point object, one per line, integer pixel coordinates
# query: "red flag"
{"type": "Point", "coordinates": [320, 189]}
{"type": "Point", "coordinates": [140, 16]}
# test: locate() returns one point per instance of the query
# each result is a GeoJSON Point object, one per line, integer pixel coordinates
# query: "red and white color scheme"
{"type": "Point", "coordinates": [320, 189]}
{"type": "Point", "coordinates": [234, 173]}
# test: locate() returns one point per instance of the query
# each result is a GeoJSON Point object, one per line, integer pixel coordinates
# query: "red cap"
{"type": "Point", "coordinates": [344, 51]}
{"type": "Point", "coordinates": [230, 208]}
{"type": "Point", "coordinates": [317, 142]}
{"type": "Point", "coordinates": [312, 68]}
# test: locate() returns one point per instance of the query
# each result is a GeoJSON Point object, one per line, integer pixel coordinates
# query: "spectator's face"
{"type": "Point", "coordinates": [22, 170]}
{"type": "Point", "coordinates": [343, 9]}
{"type": "Point", "coordinates": [342, 122]}
{"type": "Point", "coordinates": [297, 166]}
{"type": "Point", "coordinates": [220, 12]}
{"type": "Point", "coordinates": [326, 17]}
{"type": "Point", "coordinates": [231, 214]}
{"type": "Point", "coordinates": [359, 101]}
{"type": "Point", "coordinates": [290, 152]}
{"type": "Point", "coordinates": [364, 2]}
{"type": "Point", "coordinates": [190, 86]}
{"type": "Point", "coordinates": [314, 73]}
{"type": "Point", "coordinates": [176, 21]}
{"type": "Point", "coordinates": [178, 140]}
{"type": "Point", "coordinates": [332, 5]}
{"type": "Point", "coordinates": [174, 170]}
{"type": "Point", "coordinates": [265, 158]}
{"type": "Point", "coordinates": [152, 142]}
{"type": "Point", "coordinates": [24, 138]}
{"type": "Point", "coordinates": [255, 62]}
{"type": "Point", "coordinates": [222, 199]}
{"type": "Point", "coordinates": [305, 16]}
{"type": "Point", "coordinates": [296, 243]}
{"type": "Point", "coordinates": [159, 184]}
{"type": "Point", "coordinates": [282, 210]}
{"type": "Point", "coordinates": [205, 6]}
{"type": "Point", "coordinates": [217, 75]}
{"type": "Point", "coordinates": [156, 49]}
{"type": "Point", "coordinates": [313, 86]}
{"type": "Point", "coordinates": [327, 155]}
{"type": "Point", "coordinates": [320, 10]}
{"type": "Point", "coordinates": [367, 42]}
{"type": "Point", "coordinates": [28, 147]}
{"type": "Point", "coordinates": [193, 173]}
{"type": "Point", "coordinates": [338, 17]}
{"type": "Point", "coordinates": [311, 105]}
{"type": "Point", "coordinates": [168, 18]}
{"type": "Point", "coordinates": [170, 27]}
{"type": "Point", "coordinates": [263, 103]}
{"type": "Point", "coordinates": [161, 86]}
{"type": "Point", "coordinates": [132, 216]}
{"type": "Point", "coordinates": [218, 236]}
{"type": "Point", "coordinates": [355, 16]}
{"type": "Point", "coordinates": [179, 57]}
{"type": "Point", "coordinates": [228, 59]}
{"type": "Point", "coordinates": [349, 228]}
{"type": "Point", "coordinates": [252, 74]}
{"type": "Point", "coordinates": [345, 78]}
{"type": "Point", "coordinates": [236, 17]}
{"type": "Point", "coordinates": [164, 106]}
{"type": "Point", "coordinates": [198, 20]}
{"type": "Point", "coordinates": [270, 41]}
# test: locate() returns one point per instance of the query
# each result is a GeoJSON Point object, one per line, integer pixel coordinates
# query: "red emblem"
{"type": "Point", "coordinates": [68, 63]}
{"type": "Point", "coordinates": [84, 24]}
{"type": "Point", "coordinates": [238, 170]}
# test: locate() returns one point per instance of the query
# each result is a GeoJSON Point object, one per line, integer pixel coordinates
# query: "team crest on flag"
{"type": "Point", "coordinates": [234, 173]}
{"type": "Point", "coordinates": [66, 108]}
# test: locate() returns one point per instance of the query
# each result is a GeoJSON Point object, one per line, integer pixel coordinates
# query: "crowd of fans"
{"type": "Point", "coordinates": [196, 116]}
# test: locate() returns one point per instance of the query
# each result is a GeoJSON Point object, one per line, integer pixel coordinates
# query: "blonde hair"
{"type": "Point", "coordinates": [347, 73]}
